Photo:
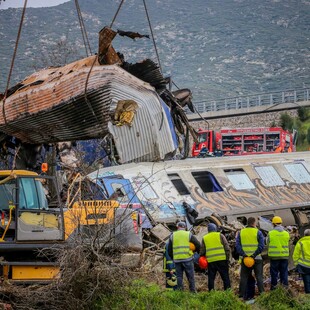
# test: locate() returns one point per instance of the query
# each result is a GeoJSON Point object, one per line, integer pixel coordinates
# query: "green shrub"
{"type": "Point", "coordinates": [286, 121]}
{"type": "Point", "coordinates": [308, 136]}
{"type": "Point", "coordinates": [303, 113]}
{"type": "Point", "coordinates": [301, 138]}
{"type": "Point", "coordinates": [282, 299]}
{"type": "Point", "coordinates": [273, 124]}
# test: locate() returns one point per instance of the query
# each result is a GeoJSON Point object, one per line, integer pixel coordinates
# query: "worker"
{"type": "Point", "coordinates": [278, 252]}
{"type": "Point", "coordinates": [218, 152]}
{"type": "Point", "coordinates": [301, 258]}
{"type": "Point", "coordinates": [217, 251]}
{"type": "Point", "coordinates": [278, 149]}
{"type": "Point", "coordinates": [287, 148]}
{"type": "Point", "coordinates": [203, 152]}
{"type": "Point", "coordinates": [250, 243]}
{"type": "Point", "coordinates": [169, 269]}
{"type": "Point", "coordinates": [179, 250]}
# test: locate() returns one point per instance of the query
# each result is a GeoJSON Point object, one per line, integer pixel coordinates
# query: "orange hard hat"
{"type": "Point", "coordinates": [192, 246]}
{"type": "Point", "coordinates": [249, 261]}
{"type": "Point", "coordinates": [203, 263]}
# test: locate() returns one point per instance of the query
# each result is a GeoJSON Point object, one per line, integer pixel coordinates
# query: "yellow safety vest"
{"type": "Point", "coordinates": [248, 239]}
{"type": "Point", "coordinates": [304, 258]}
{"type": "Point", "coordinates": [180, 245]}
{"type": "Point", "coordinates": [278, 243]}
{"type": "Point", "coordinates": [165, 263]}
{"type": "Point", "coordinates": [214, 248]}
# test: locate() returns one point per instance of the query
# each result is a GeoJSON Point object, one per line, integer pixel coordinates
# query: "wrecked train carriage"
{"type": "Point", "coordinates": [233, 187]}
{"type": "Point", "coordinates": [77, 102]}
{"type": "Point", "coordinates": [100, 96]}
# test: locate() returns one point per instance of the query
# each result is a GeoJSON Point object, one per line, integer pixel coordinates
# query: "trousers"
{"type": "Point", "coordinates": [221, 267]}
{"type": "Point", "coordinates": [278, 266]}
{"type": "Point", "coordinates": [244, 276]}
{"type": "Point", "coordinates": [188, 268]}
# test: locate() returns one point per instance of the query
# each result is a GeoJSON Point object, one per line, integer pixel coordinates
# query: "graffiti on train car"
{"type": "Point", "coordinates": [261, 196]}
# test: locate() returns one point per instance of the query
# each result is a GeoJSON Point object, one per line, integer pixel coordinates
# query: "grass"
{"type": "Point", "coordinates": [147, 296]}
{"type": "Point", "coordinates": [141, 295]}
{"type": "Point", "coordinates": [282, 299]}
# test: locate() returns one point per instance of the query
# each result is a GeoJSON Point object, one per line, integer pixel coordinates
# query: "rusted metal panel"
{"type": "Point", "coordinates": [106, 53]}
{"type": "Point", "coordinates": [74, 103]}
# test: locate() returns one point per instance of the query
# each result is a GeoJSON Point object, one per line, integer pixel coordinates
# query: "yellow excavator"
{"type": "Point", "coordinates": [33, 219]}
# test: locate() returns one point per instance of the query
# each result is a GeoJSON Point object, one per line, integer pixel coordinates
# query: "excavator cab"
{"type": "Point", "coordinates": [31, 220]}
{"type": "Point", "coordinates": [24, 205]}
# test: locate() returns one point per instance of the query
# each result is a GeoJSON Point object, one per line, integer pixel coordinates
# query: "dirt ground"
{"type": "Point", "coordinates": [154, 274]}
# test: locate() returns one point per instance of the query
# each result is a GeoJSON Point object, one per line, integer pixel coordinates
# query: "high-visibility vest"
{"type": "Point", "coordinates": [166, 263]}
{"type": "Point", "coordinates": [304, 244]}
{"type": "Point", "coordinates": [180, 245]}
{"type": "Point", "coordinates": [248, 239]}
{"type": "Point", "coordinates": [214, 248]}
{"type": "Point", "coordinates": [278, 243]}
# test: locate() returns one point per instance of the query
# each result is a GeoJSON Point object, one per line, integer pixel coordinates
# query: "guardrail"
{"type": "Point", "coordinates": [267, 99]}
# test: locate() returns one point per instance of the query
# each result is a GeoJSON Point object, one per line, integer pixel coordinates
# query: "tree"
{"type": "Point", "coordinates": [58, 54]}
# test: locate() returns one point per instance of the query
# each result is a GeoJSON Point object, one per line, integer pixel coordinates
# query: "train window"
{"type": "Point", "coordinates": [269, 176]}
{"type": "Point", "coordinates": [207, 181]}
{"type": "Point", "coordinates": [239, 179]}
{"type": "Point", "coordinates": [178, 184]}
{"type": "Point", "coordinates": [298, 172]}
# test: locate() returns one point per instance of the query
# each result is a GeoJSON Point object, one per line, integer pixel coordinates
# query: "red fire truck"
{"type": "Point", "coordinates": [244, 141]}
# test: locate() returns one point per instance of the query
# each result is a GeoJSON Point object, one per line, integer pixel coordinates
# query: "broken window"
{"type": "Point", "coordinates": [119, 193]}
{"type": "Point", "coordinates": [298, 172]}
{"type": "Point", "coordinates": [269, 176]}
{"type": "Point", "coordinates": [207, 181]}
{"type": "Point", "coordinates": [178, 184]}
{"type": "Point", "coordinates": [239, 179]}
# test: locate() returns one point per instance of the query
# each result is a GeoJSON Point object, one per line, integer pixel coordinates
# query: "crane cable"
{"type": "Point", "coordinates": [86, 44]}
{"type": "Point", "coordinates": [83, 28]}
{"type": "Point", "coordinates": [118, 9]}
{"type": "Point", "coordinates": [150, 25]}
{"type": "Point", "coordinates": [13, 60]}
{"type": "Point", "coordinates": [91, 68]}
{"type": "Point", "coordinates": [153, 38]}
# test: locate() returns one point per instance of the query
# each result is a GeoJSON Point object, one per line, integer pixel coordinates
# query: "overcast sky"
{"type": "Point", "coordinates": [31, 3]}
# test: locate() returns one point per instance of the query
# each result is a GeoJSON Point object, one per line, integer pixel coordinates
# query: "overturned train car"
{"type": "Point", "coordinates": [233, 187]}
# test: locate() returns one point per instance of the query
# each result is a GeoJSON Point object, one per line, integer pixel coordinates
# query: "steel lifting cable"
{"type": "Point", "coordinates": [153, 38]}
{"type": "Point", "coordinates": [91, 68]}
{"type": "Point", "coordinates": [85, 93]}
{"type": "Point", "coordinates": [13, 60]}
{"type": "Point", "coordinates": [118, 9]}
{"type": "Point", "coordinates": [83, 28]}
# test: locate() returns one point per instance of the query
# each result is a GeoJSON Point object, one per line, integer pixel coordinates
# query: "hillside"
{"type": "Point", "coordinates": [216, 49]}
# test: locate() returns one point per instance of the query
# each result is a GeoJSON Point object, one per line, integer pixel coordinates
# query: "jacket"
{"type": "Point", "coordinates": [260, 245]}
{"type": "Point", "coordinates": [192, 239]}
